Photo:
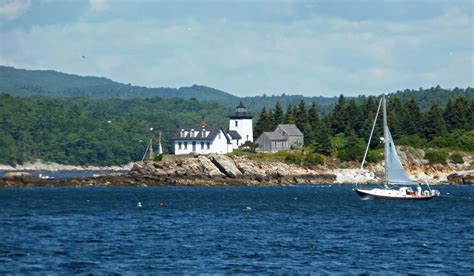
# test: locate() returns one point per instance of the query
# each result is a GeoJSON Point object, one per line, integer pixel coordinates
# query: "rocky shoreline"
{"type": "Point", "coordinates": [40, 165]}
{"type": "Point", "coordinates": [221, 170]}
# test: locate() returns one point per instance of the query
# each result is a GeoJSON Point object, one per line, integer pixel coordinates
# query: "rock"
{"type": "Point", "coordinates": [209, 168]}
{"type": "Point", "coordinates": [18, 178]}
{"type": "Point", "coordinates": [464, 177]}
{"type": "Point", "coordinates": [226, 165]}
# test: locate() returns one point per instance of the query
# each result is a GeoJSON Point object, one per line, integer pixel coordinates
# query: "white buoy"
{"type": "Point", "coordinates": [139, 204]}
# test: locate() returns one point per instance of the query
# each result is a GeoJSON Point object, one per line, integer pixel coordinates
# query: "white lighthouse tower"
{"type": "Point", "coordinates": [241, 122]}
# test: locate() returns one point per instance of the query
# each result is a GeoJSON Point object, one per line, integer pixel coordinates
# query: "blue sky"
{"type": "Point", "coordinates": [247, 47]}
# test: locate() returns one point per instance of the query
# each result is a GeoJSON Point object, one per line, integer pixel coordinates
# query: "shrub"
{"type": "Point", "coordinates": [411, 140]}
{"type": "Point", "coordinates": [374, 156]}
{"type": "Point", "coordinates": [314, 159]}
{"type": "Point", "coordinates": [456, 158]}
{"type": "Point", "coordinates": [293, 159]}
{"type": "Point", "coordinates": [436, 156]}
{"type": "Point", "coordinates": [249, 147]}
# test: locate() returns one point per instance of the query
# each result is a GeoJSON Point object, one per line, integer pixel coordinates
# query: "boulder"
{"type": "Point", "coordinates": [209, 168]}
{"type": "Point", "coordinates": [226, 165]}
{"type": "Point", "coordinates": [464, 177]}
{"type": "Point", "coordinates": [19, 177]}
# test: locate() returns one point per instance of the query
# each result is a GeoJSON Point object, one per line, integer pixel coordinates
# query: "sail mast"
{"type": "Point", "coordinates": [385, 136]}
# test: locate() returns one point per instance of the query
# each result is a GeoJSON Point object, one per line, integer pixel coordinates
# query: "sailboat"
{"type": "Point", "coordinates": [397, 184]}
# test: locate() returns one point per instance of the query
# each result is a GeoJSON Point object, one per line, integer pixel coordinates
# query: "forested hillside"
{"type": "Point", "coordinates": [19, 82]}
{"type": "Point", "coordinates": [80, 131]}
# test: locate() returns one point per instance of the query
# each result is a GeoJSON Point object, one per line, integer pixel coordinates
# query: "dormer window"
{"type": "Point", "coordinates": [182, 133]}
{"type": "Point", "coordinates": [191, 134]}
{"type": "Point", "coordinates": [203, 133]}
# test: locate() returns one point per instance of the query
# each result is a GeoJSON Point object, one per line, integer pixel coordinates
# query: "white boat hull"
{"type": "Point", "coordinates": [391, 194]}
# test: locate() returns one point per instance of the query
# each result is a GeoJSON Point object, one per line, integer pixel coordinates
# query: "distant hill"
{"type": "Point", "coordinates": [20, 82]}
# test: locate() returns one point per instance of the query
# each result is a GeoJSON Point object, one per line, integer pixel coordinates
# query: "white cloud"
{"type": "Point", "coordinates": [313, 56]}
{"type": "Point", "coordinates": [98, 5]}
{"type": "Point", "coordinates": [13, 9]}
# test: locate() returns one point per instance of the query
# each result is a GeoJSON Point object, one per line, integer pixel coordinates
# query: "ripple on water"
{"type": "Point", "coordinates": [279, 230]}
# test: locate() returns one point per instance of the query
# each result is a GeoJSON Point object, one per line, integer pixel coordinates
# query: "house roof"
{"type": "Point", "coordinates": [213, 131]}
{"type": "Point", "coordinates": [234, 134]}
{"type": "Point", "coordinates": [274, 136]}
{"type": "Point", "coordinates": [290, 129]}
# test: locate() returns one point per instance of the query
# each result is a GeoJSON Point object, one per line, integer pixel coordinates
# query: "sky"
{"type": "Point", "coordinates": [312, 48]}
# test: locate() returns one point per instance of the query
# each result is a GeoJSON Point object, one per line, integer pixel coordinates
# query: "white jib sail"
{"type": "Point", "coordinates": [395, 172]}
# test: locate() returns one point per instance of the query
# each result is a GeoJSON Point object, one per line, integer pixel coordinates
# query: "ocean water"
{"type": "Point", "coordinates": [300, 229]}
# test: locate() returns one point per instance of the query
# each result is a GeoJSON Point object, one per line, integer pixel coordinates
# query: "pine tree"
{"type": "Point", "coordinates": [262, 123]}
{"type": "Point", "coordinates": [322, 141]}
{"type": "Point", "coordinates": [354, 117]}
{"type": "Point", "coordinates": [301, 116]}
{"type": "Point", "coordinates": [290, 117]}
{"type": "Point", "coordinates": [433, 124]}
{"type": "Point", "coordinates": [458, 115]}
{"type": "Point", "coordinates": [313, 117]}
{"type": "Point", "coordinates": [271, 122]}
{"type": "Point", "coordinates": [448, 115]}
{"type": "Point", "coordinates": [338, 121]}
{"type": "Point", "coordinates": [394, 116]}
{"type": "Point", "coordinates": [411, 122]}
{"type": "Point", "coordinates": [278, 117]}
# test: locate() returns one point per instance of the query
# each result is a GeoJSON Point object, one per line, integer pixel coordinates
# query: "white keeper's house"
{"type": "Point", "coordinates": [203, 139]}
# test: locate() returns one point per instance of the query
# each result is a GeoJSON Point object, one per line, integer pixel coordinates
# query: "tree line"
{"type": "Point", "coordinates": [343, 130]}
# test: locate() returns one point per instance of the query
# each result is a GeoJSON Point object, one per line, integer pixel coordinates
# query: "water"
{"type": "Point", "coordinates": [233, 230]}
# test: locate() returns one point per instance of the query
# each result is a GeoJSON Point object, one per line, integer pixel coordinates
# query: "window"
{"type": "Point", "coordinates": [236, 123]}
{"type": "Point", "coordinates": [185, 145]}
{"type": "Point", "coordinates": [202, 145]}
{"type": "Point", "coordinates": [194, 146]}
{"type": "Point", "coordinates": [247, 137]}
{"type": "Point", "coordinates": [219, 135]}
{"type": "Point", "coordinates": [208, 144]}
{"type": "Point", "coordinates": [179, 145]}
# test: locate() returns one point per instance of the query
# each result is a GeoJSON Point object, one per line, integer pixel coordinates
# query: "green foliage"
{"type": "Point", "coordinates": [374, 156]}
{"type": "Point", "coordinates": [412, 140]}
{"type": "Point", "coordinates": [314, 159]}
{"type": "Point", "coordinates": [248, 147]}
{"type": "Point", "coordinates": [353, 149]}
{"type": "Point", "coordinates": [456, 158]}
{"type": "Point", "coordinates": [436, 156]}
{"type": "Point", "coordinates": [264, 123]}
{"type": "Point", "coordinates": [80, 131]}
{"type": "Point", "coordinates": [458, 139]}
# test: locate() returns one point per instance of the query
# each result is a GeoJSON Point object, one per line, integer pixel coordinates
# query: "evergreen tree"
{"type": "Point", "coordinates": [313, 116]}
{"type": "Point", "coordinates": [278, 117]}
{"type": "Point", "coordinates": [354, 117]}
{"type": "Point", "coordinates": [322, 141]}
{"type": "Point", "coordinates": [411, 122]}
{"type": "Point", "coordinates": [394, 116]}
{"type": "Point", "coordinates": [264, 123]}
{"type": "Point", "coordinates": [301, 116]}
{"type": "Point", "coordinates": [448, 115]}
{"type": "Point", "coordinates": [433, 124]}
{"type": "Point", "coordinates": [290, 117]}
{"type": "Point", "coordinates": [458, 114]}
{"type": "Point", "coordinates": [338, 120]}
{"type": "Point", "coordinates": [272, 124]}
